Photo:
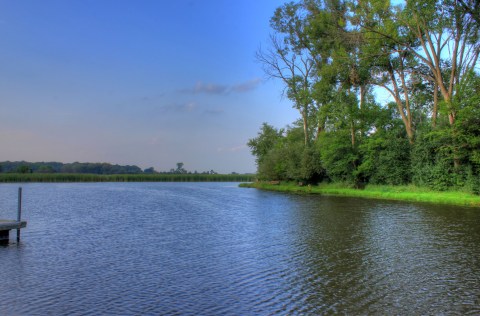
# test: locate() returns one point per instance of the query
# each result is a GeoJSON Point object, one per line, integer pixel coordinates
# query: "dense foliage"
{"type": "Point", "coordinates": [386, 94]}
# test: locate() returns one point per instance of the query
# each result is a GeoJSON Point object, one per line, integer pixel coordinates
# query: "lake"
{"type": "Point", "coordinates": [216, 249]}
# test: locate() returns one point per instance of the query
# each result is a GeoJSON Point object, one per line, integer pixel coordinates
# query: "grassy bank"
{"type": "Point", "coordinates": [63, 177]}
{"type": "Point", "coordinates": [401, 193]}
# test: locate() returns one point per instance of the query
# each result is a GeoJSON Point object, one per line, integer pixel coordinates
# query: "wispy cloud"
{"type": "Point", "coordinates": [191, 107]}
{"type": "Point", "coordinates": [180, 107]}
{"type": "Point", "coordinates": [222, 89]}
{"type": "Point", "coordinates": [213, 112]}
{"type": "Point", "coordinates": [209, 88]}
{"type": "Point", "coordinates": [247, 85]}
{"type": "Point", "coordinates": [152, 98]}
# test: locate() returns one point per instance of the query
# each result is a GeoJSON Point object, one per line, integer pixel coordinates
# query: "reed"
{"type": "Point", "coordinates": [66, 177]}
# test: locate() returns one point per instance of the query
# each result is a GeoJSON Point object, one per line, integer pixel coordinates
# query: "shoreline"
{"type": "Point", "coordinates": [380, 192]}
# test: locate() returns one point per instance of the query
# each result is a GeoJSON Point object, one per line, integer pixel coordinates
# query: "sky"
{"type": "Point", "coordinates": [138, 82]}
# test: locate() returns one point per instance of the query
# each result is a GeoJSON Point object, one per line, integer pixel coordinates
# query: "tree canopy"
{"type": "Point", "coordinates": [386, 93]}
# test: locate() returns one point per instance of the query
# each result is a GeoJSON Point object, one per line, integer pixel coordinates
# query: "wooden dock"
{"type": "Point", "coordinates": [7, 225]}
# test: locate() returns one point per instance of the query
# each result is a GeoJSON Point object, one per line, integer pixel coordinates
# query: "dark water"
{"type": "Point", "coordinates": [216, 249]}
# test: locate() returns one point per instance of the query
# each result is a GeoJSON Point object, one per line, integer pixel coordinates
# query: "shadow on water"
{"type": "Point", "coordinates": [358, 256]}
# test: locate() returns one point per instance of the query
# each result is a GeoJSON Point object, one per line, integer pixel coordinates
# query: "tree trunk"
{"type": "Point", "coordinates": [435, 105]}
{"type": "Point", "coordinates": [352, 133]}
{"type": "Point", "coordinates": [319, 130]}
{"type": "Point", "coordinates": [363, 91]}
{"type": "Point", "coordinates": [406, 118]}
{"type": "Point", "coordinates": [305, 126]}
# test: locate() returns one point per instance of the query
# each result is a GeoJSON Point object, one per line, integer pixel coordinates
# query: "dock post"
{"type": "Point", "coordinates": [19, 211]}
{"type": "Point", "coordinates": [4, 237]}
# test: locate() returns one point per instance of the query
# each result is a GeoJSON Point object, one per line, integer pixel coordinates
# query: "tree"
{"type": "Point", "coordinates": [150, 170]}
{"type": "Point", "coordinates": [471, 7]}
{"type": "Point", "coordinates": [23, 169]}
{"type": "Point", "coordinates": [180, 168]}
{"type": "Point", "coordinates": [386, 155]}
{"type": "Point", "coordinates": [45, 169]}
{"type": "Point", "coordinates": [448, 43]}
{"type": "Point", "coordinates": [331, 55]}
{"type": "Point", "coordinates": [267, 138]}
{"type": "Point", "coordinates": [390, 65]}
{"type": "Point", "coordinates": [289, 60]}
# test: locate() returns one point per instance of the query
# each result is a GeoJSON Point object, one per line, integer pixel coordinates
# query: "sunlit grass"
{"type": "Point", "coordinates": [401, 193]}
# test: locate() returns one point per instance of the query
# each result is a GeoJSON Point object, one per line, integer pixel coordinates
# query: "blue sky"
{"type": "Point", "coordinates": [142, 82]}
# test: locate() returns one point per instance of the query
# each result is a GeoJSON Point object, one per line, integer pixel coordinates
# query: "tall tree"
{"type": "Point", "coordinates": [342, 73]}
{"type": "Point", "coordinates": [449, 46]}
{"type": "Point", "coordinates": [265, 141]}
{"type": "Point", "coordinates": [471, 7]}
{"type": "Point", "coordinates": [391, 66]}
{"type": "Point", "coordinates": [289, 59]}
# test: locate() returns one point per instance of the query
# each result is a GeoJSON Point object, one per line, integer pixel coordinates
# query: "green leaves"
{"type": "Point", "coordinates": [266, 140]}
{"type": "Point", "coordinates": [333, 55]}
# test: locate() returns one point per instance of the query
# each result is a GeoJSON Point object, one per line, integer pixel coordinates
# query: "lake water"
{"type": "Point", "coordinates": [216, 249]}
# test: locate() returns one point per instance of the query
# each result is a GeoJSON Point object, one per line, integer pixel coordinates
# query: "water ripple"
{"type": "Point", "coordinates": [215, 249]}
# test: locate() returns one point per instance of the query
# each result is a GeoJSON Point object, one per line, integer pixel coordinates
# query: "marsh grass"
{"type": "Point", "coordinates": [401, 193]}
{"type": "Point", "coordinates": [65, 177]}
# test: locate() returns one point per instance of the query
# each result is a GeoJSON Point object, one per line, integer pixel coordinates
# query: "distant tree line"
{"type": "Point", "coordinates": [335, 58]}
{"type": "Point", "coordinates": [58, 167]}
{"type": "Point", "coordinates": [86, 168]}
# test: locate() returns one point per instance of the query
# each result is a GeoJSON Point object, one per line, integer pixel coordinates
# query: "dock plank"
{"type": "Point", "coordinates": [9, 224]}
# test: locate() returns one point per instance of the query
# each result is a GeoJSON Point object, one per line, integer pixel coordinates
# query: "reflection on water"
{"type": "Point", "coordinates": [213, 248]}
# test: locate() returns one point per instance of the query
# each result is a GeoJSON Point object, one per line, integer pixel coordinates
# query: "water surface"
{"type": "Point", "coordinates": [216, 249]}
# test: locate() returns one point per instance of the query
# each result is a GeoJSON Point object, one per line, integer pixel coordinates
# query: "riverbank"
{"type": "Point", "coordinates": [400, 193]}
{"type": "Point", "coordinates": [79, 177]}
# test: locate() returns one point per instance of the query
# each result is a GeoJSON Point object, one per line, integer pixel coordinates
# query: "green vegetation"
{"type": "Point", "coordinates": [64, 177]}
{"type": "Point", "coordinates": [339, 59]}
{"type": "Point", "coordinates": [58, 167]}
{"type": "Point", "coordinates": [385, 192]}
{"type": "Point", "coordinates": [22, 171]}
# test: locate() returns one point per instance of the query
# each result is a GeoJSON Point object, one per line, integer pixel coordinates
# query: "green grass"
{"type": "Point", "coordinates": [401, 193]}
{"type": "Point", "coordinates": [65, 177]}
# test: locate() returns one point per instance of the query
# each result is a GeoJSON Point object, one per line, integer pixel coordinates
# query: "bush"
{"type": "Point", "coordinates": [338, 157]}
{"type": "Point", "coordinates": [386, 158]}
